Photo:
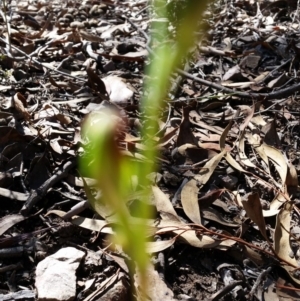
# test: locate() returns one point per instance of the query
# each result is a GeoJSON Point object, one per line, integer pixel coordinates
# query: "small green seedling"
{"type": "Point", "coordinates": [114, 171]}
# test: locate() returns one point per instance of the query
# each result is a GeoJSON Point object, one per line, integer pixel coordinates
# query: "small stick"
{"type": "Point", "coordinates": [39, 193]}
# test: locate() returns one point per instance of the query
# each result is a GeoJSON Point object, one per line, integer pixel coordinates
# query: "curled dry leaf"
{"type": "Point", "coordinates": [233, 163]}
{"type": "Point", "coordinates": [87, 223]}
{"type": "Point", "coordinates": [171, 223]}
{"type": "Point", "coordinates": [256, 143]}
{"type": "Point", "coordinates": [241, 149]}
{"type": "Point", "coordinates": [213, 215]}
{"type": "Point", "coordinates": [253, 255]}
{"type": "Point", "coordinates": [19, 104]}
{"type": "Point", "coordinates": [278, 201]}
{"type": "Point", "coordinates": [254, 210]}
{"type": "Point", "coordinates": [271, 136]}
{"type": "Point", "coordinates": [163, 203]}
{"type": "Point", "coordinates": [158, 246]}
{"type": "Point", "coordinates": [250, 112]}
{"type": "Point", "coordinates": [210, 166]}
{"type": "Point", "coordinates": [224, 135]}
{"type": "Point", "coordinates": [189, 200]}
{"type": "Point", "coordinates": [282, 236]}
{"type": "Point", "coordinates": [278, 160]}
{"type": "Point", "coordinates": [206, 200]}
{"type": "Point", "coordinates": [292, 179]}
{"type": "Point", "coordinates": [185, 135]}
{"type": "Point", "coordinates": [96, 83]}
{"type": "Point", "coordinates": [187, 235]}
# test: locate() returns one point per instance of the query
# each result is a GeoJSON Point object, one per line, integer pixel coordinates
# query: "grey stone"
{"type": "Point", "coordinates": [55, 275]}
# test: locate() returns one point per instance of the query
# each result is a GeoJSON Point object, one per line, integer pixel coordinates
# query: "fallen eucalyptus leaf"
{"type": "Point", "coordinates": [189, 200]}
{"type": "Point", "coordinates": [254, 210]}
{"type": "Point", "coordinates": [9, 221]}
{"type": "Point", "coordinates": [282, 236]}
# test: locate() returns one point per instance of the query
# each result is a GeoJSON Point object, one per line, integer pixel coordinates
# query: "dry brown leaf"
{"type": "Point", "coordinates": [233, 163]}
{"type": "Point", "coordinates": [213, 146]}
{"type": "Point", "coordinates": [284, 289]}
{"type": "Point", "coordinates": [292, 179]}
{"type": "Point", "coordinates": [19, 101]}
{"type": "Point", "coordinates": [290, 271]}
{"type": "Point", "coordinates": [63, 119]}
{"type": "Point", "coordinates": [224, 135]}
{"type": "Point", "coordinates": [250, 112]}
{"type": "Point", "coordinates": [209, 197]}
{"type": "Point", "coordinates": [278, 201]}
{"type": "Point", "coordinates": [182, 150]}
{"type": "Point", "coordinates": [107, 34]}
{"type": "Point", "coordinates": [8, 221]}
{"type": "Point", "coordinates": [90, 37]}
{"type": "Point", "coordinates": [13, 195]}
{"type": "Point", "coordinates": [210, 166]}
{"type": "Point", "coordinates": [158, 246]}
{"type": "Point", "coordinates": [270, 212]}
{"type": "Point", "coordinates": [241, 150]}
{"type": "Point", "coordinates": [87, 223]}
{"type": "Point", "coordinates": [167, 137]}
{"type": "Point", "coordinates": [185, 135]}
{"type": "Point", "coordinates": [186, 234]}
{"type": "Point", "coordinates": [271, 137]}
{"type": "Point", "coordinates": [282, 236]}
{"type": "Point", "coordinates": [208, 137]}
{"type": "Point", "coordinates": [162, 202]}
{"type": "Point", "coordinates": [189, 200]}
{"type": "Point", "coordinates": [278, 161]}
{"type": "Point", "coordinates": [254, 210]}
{"type": "Point", "coordinates": [96, 83]}
{"type": "Point", "coordinates": [213, 215]}
{"type": "Point", "coordinates": [253, 255]}
{"type": "Point", "coordinates": [256, 143]}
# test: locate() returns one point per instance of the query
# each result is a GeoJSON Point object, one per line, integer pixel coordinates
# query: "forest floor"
{"type": "Point", "coordinates": [226, 194]}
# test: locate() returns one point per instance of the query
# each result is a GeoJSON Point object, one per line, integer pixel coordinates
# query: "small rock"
{"type": "Point", "coordinates": [55, 275]}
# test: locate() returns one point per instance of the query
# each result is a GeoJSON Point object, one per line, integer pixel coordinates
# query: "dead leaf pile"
{"type": "Point", "coordinates": [227, 188]}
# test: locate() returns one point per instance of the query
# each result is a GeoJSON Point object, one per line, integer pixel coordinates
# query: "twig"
{"type": "Point", "coordinates": [221, 293]}
{"type": "Point", "coordinates": [239, 240]}
{"type": "Point", "coordinates": [288, 287]}
{"type": "Point", "coordinates": [205, 231]}
{"type": "Point", "coordinates": [266, 96]}
{"type": "Point", "coordinates": [39, 193]}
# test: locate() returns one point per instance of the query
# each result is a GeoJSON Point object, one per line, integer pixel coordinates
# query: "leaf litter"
{"type": "Point", "coordinates": [227, 189]}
